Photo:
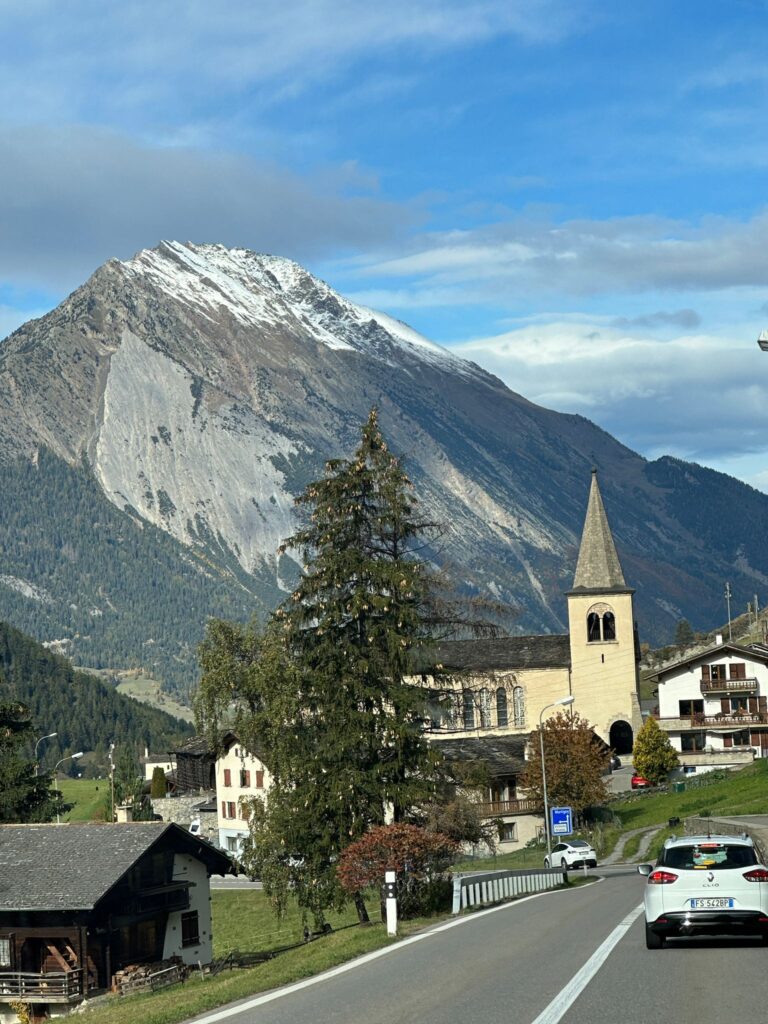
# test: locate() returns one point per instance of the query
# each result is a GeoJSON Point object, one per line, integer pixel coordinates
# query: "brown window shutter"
{"type": "Point", "coordinates": [752, 704]}
{"type": "Point", "coordinates": [259, 780]}
{"type": "Point", "coordinates": [728, 741]}
{"type": "Point", "coordinates": [725, 705]}
{"type": "Point", "coordinates": [227, 777]}
{"type": "Point", "coordinates": [705, 671]}
{"type": "Point", "coordinates": [762, 703]}
{"type": "Point", "coordinates": [738, 670]}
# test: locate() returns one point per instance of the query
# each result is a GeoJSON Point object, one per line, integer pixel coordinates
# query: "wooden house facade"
{"type": "Point", "coordinates": [80, 902]}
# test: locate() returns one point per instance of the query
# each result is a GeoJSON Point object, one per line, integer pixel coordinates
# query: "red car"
{"type": "Point", "coordinates": [640, 782]}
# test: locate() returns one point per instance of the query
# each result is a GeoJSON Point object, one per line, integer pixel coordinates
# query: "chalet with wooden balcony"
{"type": "Point", "coordinates": [80, 902]}
{"type": "Point", "coordinates": [714, 706]}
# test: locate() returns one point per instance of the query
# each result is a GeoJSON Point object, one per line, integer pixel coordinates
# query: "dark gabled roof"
{"type": "Point", "coordinates": [72, 867]}
{"type": "Point", "coordinates": [229, 739]}
{"type": "Point", "coordinates": [507, 652]}
{"type": "Point", "coordinates": [198, 746]}
{"type": "Point", "coordinates": [504, 755]}
{"type": "Point", "coordinates": [757, 652]}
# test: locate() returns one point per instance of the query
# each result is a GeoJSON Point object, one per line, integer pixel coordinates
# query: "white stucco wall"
{"type": "Point", "coordinates": [236, 759]}
{"type": "Point", "coordinates": [188, 869]}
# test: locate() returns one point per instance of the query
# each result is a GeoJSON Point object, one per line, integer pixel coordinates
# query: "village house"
{"type": "Point", "coordinates": [78, 903]}
{"type": "Point", "coordinates": [492, 692]}
{"type": "Point", "coordinates": [240, 775]}
{"type": "Point", "coordinates": [713, 706]}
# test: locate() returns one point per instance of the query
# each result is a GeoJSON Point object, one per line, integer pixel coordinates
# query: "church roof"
{"type": "Point", "coordinates": [505, 652]}
{"type": "Point", "coordinates": [598, 567]}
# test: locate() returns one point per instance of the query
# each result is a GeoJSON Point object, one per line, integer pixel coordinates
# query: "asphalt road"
{"type": "Point", "coordinates": [578, 957]}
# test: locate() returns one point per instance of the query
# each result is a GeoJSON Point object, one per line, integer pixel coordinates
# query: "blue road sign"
{"type": "Point", "coordinates": [561, 821]}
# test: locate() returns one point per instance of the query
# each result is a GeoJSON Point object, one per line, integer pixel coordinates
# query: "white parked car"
{"type": "Point", "coordinates": [571, 854]}
{"type": "Point", "coordinates": [710, 885]}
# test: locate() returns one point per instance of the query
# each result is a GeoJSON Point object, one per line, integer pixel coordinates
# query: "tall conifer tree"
{"type": "Point", "coordinates": [322, 695]}
{"type": "Point", "coordinates": [24, 795]}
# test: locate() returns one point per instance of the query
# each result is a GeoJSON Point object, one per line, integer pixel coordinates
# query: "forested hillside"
{"type": "Point", "coordinates": [86, 713]}
{"type": "Point", "coordinates": [117, 591]}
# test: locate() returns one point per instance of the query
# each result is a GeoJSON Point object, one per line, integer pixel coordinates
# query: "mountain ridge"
{"type": "Point", "coordinates": [205, 387]}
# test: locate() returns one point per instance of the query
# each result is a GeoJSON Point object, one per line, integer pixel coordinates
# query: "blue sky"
{"type": "Point", "coordinates": [573, 194]}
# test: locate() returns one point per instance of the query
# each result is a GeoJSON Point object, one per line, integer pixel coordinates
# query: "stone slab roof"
{"type": "Point", "coordinates": [504, 755]}
{"type": "Point", "coordinates": [598, 567]}
{"type": "Point", "coordinates": [72, 867]}
{"type": "Point", "coordinates": [508, 652]}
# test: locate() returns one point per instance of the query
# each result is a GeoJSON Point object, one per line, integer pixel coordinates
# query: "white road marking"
{"type": "Point", "coordinates": [568, 995]}
{"type": "Point", "coordinates": [268, 997]}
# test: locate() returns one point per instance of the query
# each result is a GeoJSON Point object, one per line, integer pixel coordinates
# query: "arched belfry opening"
{"type": "Point", "coordinates": [601, 623]}
{"type": "Point", "coordinates": [620, 737]}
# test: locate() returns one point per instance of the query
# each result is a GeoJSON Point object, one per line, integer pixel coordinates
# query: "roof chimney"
{"type": "Point", "coordinates": [718, 639]}
{"type": "Point", "coordinates": [124, 813]}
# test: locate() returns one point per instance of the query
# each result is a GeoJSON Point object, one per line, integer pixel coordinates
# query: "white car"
{"type": "Point", "coordinates": [571, 854]}
{"type": "Point", "coordinates": [710, 885]}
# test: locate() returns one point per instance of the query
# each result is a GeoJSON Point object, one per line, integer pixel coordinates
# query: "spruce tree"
{"type": "Point", "coordinates": [322, 695]}
{"type": "Point", "coordinates": [24, 795]}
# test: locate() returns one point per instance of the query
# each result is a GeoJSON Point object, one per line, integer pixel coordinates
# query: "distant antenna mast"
{"type": "Point", "coordinates": [762, 341]}
{"type": "Point", "coordinates": [728, 603]}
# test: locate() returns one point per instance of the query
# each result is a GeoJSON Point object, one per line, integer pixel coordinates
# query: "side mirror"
{"type": "Point", "coordinates": [644, 869]}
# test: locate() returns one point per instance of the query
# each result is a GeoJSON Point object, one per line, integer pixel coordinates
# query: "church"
{"type": "Point", "coordinates": [496, 691]}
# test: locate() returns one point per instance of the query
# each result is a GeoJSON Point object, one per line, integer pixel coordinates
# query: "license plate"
{"type": "Point", "coordinates": [712, 903]}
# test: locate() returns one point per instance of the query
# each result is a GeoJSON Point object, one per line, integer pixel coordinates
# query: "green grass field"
{"type": "Point", "coordinates": [147, 690]}
{"type": "Point", "coordinates": [87, 795]}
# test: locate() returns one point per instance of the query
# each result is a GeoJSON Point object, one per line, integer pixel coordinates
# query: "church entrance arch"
{"type": "Point", "coordinates": [620, 737]}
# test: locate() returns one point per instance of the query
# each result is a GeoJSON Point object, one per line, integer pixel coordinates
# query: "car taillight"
{"type": "Point", "coordinates": [757, 875]}
{"type": "Point", "coordinates": [661, 878]}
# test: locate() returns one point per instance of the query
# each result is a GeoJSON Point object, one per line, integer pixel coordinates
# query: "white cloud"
{"type": "Point", "coordinates": [586, 257]}
{"type": "Point", "coordinates": [697, 396]}
{"type": "Point", "coordinates": [60, 60]}
{"type": "Point", "coordinates": [75, 197]}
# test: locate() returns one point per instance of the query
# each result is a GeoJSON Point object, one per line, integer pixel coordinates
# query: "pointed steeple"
{"type": "Point", "coordinates": [598, 567]}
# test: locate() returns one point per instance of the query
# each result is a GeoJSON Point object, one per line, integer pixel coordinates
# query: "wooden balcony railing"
{"type": "Point", "coordinates": [61, 987]}
{"type": "Point", "coordinates": [736, 720]}
{"type": "Point", "coordinates": [491, 809]}
{"type": "Point", "coordinates": [728, 685]}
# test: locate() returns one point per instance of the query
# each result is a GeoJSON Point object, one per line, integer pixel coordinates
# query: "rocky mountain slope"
{"type": "Point", "coordinates": [200, 388]}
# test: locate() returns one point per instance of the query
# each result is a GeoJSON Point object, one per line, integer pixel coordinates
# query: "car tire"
{"type": "Point", "coordinates": [764, 937]}
{"type": "Point", "coordinates": [564, 864]}
{"type": "Point", "coordinates": [652, 939]}
{"type": "Point", "coordinates": [546, 863]}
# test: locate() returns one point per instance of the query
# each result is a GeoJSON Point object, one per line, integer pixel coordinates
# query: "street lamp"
{"type": "Point", "coordinates": [48, 737]}
{"type": "Point", "coordinates": [69, 757]}
{"type": "Point", "coordinates": [563, 700]}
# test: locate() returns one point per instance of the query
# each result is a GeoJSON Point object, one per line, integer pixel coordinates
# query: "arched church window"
{"type": "Point", "coordinates": [609, 626]}
{"type": "Point", "coordinates": [485, 708]}
{"type": "Point", "coordinates": [468, 703]}
{"type": "Point", "coordinates": [518, 706]}
{"type": "Point", "coordinates": [593, 627]}
{"type": "Point", "coordinates": [502, 717]}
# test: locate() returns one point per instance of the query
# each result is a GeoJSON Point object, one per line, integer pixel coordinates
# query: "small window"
{"type": "Point", "coordinates": [502, 717]}
{"type": "Point", "coordinates": [508, 831]}
{"type": "Point", "coordinates": [190, 929]}
{"type": "Point", "coordinates": [738, 670]}
{"type": "Point", "coordinates": [232, 844]}
{"type": "Point", "coordinates": [609, 626]}
{"type": "Point", "coordinates": [717, 672]}
{"type": "Point", "coordinates": [259, 780]}
{"type": "Point", "coordinates": [468, 699]}
{"type": "Point", "coordinates": [518, 706]}
{"type": "Point", "coordinates": [739, 705]}
{"type": "Point", "coordinates": [245, 779]}
{"type": "Point", "coordinates": [231, 809]}
{"type": "Point", "coordinates": [5, 952]}
{"type": "Point", "coordinates": [227, 777]}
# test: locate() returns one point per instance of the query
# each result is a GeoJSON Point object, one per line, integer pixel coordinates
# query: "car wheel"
{"type": "Point", "coordinates": [652, 939]}
{"type": "Point", "coordinates": [764, 937]}
{"type": "Point", "coordinates": [564, 864]}
{"type": "Point", "coordinates": [546, 862]}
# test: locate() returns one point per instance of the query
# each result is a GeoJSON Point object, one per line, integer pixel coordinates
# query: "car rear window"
{"type": "Point", "coordinates": [708, 856]}
{"type": "Point", "coordinates": [579, 842]}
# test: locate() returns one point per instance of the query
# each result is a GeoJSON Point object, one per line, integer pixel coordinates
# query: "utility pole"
{"type": "Point", "coordinates": [111, 783]}
{"type": "Point", "coordinates": [728, 604]}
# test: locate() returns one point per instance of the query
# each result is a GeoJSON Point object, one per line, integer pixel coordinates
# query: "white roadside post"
{"type": "Point", "coordinates": [391, 902]}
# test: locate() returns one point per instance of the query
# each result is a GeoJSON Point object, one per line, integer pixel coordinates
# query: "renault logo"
{"type": "Point", "coordinates": [710, 877]}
